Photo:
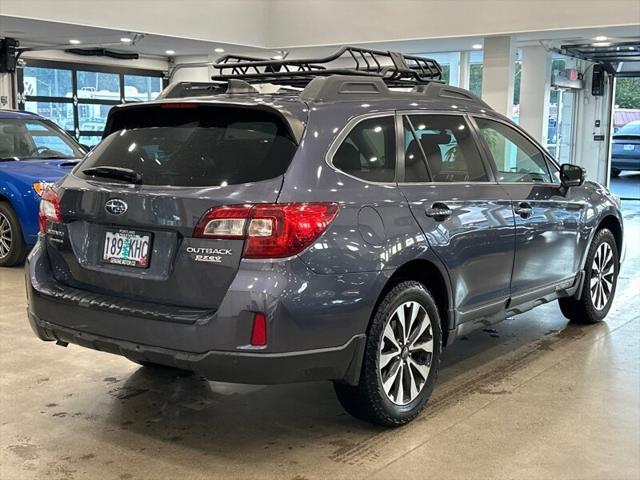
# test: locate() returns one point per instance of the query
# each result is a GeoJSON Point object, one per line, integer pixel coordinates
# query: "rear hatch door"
{"type": "Point", "coordinates": [133, 236]}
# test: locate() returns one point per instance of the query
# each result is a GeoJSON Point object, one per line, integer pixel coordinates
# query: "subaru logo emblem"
{"type": "Point", "coordinates": [115, 206]}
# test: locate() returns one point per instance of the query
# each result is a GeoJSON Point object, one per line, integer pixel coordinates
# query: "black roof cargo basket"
{"type": "Point", "coordinates": [395, 69]}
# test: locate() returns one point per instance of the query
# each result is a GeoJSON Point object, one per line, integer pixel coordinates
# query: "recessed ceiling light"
{"type": "Point", "coordinates": [170, 52]}
{"type": "Point", "coordinates": [74, 42]}
{"type": "Point", "coordinates": [477, 46]}
{"type": "Point", "coordinates": [276, 57]}
{"type": "Point", "coordinates": [125, 40]}
{"type": "Point", "coordinates": [219, 50]}
{"type": "Point", "coordinates": [601, 44]}
{"type": "Point", "coordinates": [601, 38]}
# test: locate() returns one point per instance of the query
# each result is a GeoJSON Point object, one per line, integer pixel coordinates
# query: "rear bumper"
{"type": "Point", "coordinates": [341, 363]}
{"type": "Point", "coordinates": [314, 334]}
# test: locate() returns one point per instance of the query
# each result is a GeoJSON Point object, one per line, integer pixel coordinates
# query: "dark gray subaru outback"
{"type": "Point", "coordinates": [346, 227]}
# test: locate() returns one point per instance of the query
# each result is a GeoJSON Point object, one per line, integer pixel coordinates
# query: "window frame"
{"type": "Point", "coordinates": [346, 131]}
{"type": "Point", "coordinates": [549, 160]}
{"type": "Point", "coordinates": [74, 100]}
{"type": "Point", "coordinates": [486, 163]}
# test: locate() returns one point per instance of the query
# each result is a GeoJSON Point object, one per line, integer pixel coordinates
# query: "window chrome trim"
{"type": "Point", "coordinates": [344, 133]}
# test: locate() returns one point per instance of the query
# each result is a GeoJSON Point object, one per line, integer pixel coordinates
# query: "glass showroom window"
{"type": "Point", "coordinates": [79, 99]}
{"type": "Point", "coordinates": [49, 92]}
{"type": "Point", "coordinates": [475, 72]}
{"type": "Point", "coordinates": [450, 63]}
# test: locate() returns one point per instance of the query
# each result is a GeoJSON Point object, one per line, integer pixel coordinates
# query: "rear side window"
{"type": "Point", "coordinates": [369, 151]}
{"type": "Point", "coordinates": [197, 146]}
{"type": "Point", "coordinates": [452, 154]}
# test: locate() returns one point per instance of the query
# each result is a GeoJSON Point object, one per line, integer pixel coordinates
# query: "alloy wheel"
{"type": "Point", "coordinates": [406, 353]}
{"type": "Point", "coordinates": [5, 236]}
{"type": "Point", "coordinates": [602, 276]}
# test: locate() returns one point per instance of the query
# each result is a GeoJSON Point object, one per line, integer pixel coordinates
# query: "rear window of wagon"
{"type": "Point", "coordinates": [196, 145]}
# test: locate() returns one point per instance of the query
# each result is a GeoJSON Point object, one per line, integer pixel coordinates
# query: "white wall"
{"type": "Point", "coordinates": [234, 21]}
{"type": "Point", "coordinates": [280, 23]}
{"type": "Point", "coordinates": [318, 22]}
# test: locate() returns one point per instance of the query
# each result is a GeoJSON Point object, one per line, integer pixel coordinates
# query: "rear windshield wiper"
{"type": "Point", "coordinates": [117, 173]}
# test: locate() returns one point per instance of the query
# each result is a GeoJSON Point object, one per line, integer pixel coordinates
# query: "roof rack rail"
{"type": "Point", "coordinates": [394, 68]}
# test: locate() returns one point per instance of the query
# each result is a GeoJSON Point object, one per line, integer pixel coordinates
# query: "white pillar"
{"type": "Point", "coordinates": [535, 83]}
{"type": "Point", "coordinates": [464, 70]}
{"type": "Point", "coordinates": [497, 73]}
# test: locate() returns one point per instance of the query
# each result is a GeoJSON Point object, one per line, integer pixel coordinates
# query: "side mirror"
{"type": "Point", "coordinates": [571, 175]}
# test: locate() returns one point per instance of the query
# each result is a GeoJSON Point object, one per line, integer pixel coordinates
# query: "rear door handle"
{"type": "Point", "coordinates": [524, 209]}
{"type": "Point", "coordinates": [439, 211]}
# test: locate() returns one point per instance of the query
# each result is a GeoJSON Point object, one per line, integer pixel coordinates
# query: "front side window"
{"type": "Point", "coordinates": [515, 157]}
{"type": "Point", "coordinates": [369, 151]}
{"type": "Point", "coordinates": [34, 139]}
{"type": "Point", "coordinates": [452, 155]}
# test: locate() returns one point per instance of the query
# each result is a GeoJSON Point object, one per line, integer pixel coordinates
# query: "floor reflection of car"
{"type": "Point", "coordinates": [33, 153]}
{"type": "Point", "coordinates": [625, 148]}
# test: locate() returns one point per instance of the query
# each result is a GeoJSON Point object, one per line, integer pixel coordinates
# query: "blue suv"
{"type": "Point", "coordinates": [345, 227]}
{"type": "Point", "coordinates": [34, 153]}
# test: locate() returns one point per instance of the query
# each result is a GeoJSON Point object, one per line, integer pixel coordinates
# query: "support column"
{"type": "Point", "coordinates": [534, 92]}
{"type": "Point", "coordinates": [497, 73]}
{"type": "Point", "coordinates": [464, 70]}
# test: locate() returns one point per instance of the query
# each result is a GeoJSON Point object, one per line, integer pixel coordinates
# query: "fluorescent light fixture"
{"type": "Point", "coordinates": [73, 41]}
{"type": "Point", "coordinates": [219, 50]}
{"type": "Point", "coordinates": [601, 38]}
{"type": "Point", "coordinates": [601, 44]}
{"type": "Point", "coordinates": [477, 46]}
{"type": "Point", "coordinates": [126, 40]}
{"type": "Point", "coordinates": [276, 57]}
{"type": "Point", "coordinates": [170, 52]}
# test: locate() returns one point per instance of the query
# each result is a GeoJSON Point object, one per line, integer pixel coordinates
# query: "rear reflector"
{"type": "Point", "coordinates": [271, 230]}
{"type": "Point", "coordinates": [49, 209]}
{"type": "Point", "coordinates": [259, 330]}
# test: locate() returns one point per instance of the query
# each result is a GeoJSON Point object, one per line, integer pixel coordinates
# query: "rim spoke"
{"type": "Point", "coordinates": [426, 346]}
{"type": "Point", "coordinates": [386, 357]}
{"type": "Point", "coordinates": [401, 321]}
{"type": "Point", "coordinates": [391, 379]}
{"type": "Point", "coordinates": [390, 335]}
{"type": "Point", "coordinates": [423, 370]}
{"type": "Point", "coordinates": [400, 392]}
{"type": "Point", "coordinates": [420, 330]}
{"type": "Point", "coordinates": [413, 387]}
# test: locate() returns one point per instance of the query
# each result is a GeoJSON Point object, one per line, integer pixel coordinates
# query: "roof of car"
{"type": "Point", "coordinates": [15, 114]}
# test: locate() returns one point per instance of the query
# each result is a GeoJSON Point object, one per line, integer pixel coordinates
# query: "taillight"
{"type": "Point", "coordinates": [49, 209]}
{"type": "Point", "coordinates": [271, 230]}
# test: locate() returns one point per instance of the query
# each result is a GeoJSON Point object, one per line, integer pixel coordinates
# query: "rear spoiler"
{"type": "Point", "coordinates": [294, 125]}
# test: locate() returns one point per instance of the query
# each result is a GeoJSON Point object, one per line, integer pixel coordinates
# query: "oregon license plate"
{"type": "Point", "coordinates": [126, 247]}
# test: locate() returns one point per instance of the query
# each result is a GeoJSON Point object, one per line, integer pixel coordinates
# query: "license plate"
{"type": "Point", "coordinates": [126, 247]}
{"type": "Point", "coordinates": [628, 146]}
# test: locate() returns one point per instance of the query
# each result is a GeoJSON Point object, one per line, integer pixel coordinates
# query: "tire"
{"type": "Point", "coordinates": [13, 250]}
{"type": "Point", "coordinates": [370, 400]}
{"type": "Point", "coordinates": [615, 172]}
{"type": "Point", "coordinates": [594, 307]}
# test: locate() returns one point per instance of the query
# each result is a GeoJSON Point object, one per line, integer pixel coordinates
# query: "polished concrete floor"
{"type": "Point", "coordinates": [627, 185]}
{"type": "Point", "coordinates": [534, 399]}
